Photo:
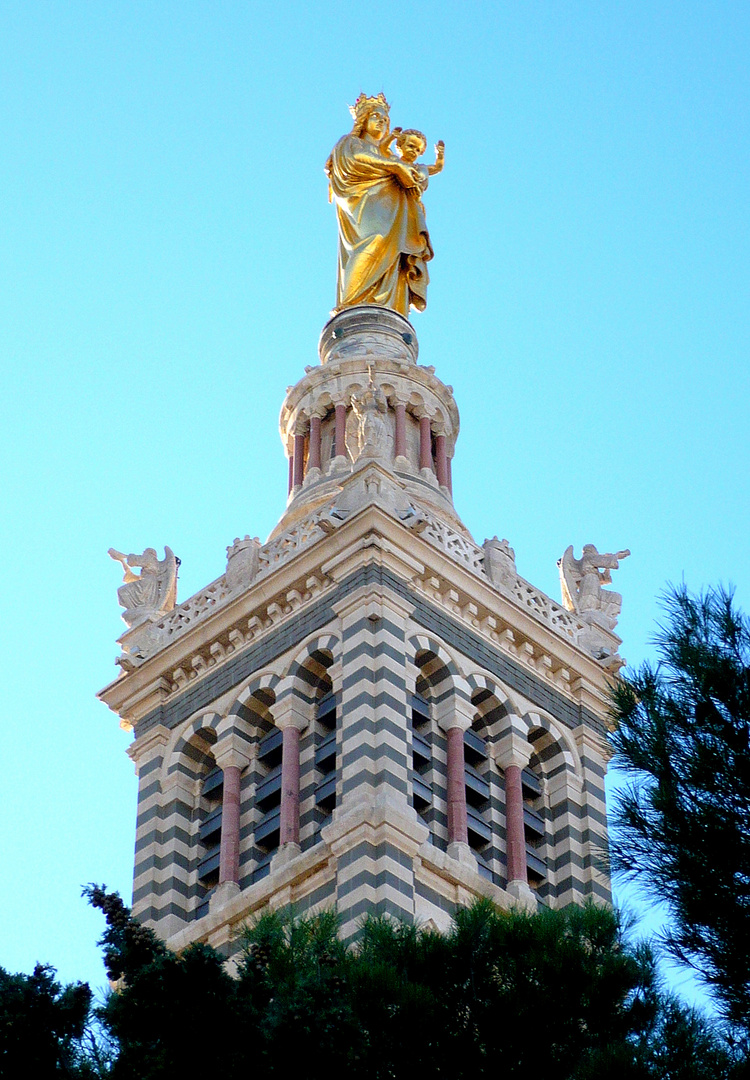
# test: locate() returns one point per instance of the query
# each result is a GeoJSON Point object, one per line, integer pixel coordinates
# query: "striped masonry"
{"type": "Point", "coordinates": [374, 751]}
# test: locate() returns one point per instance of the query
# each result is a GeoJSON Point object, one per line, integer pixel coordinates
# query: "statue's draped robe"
{"type": "Point", "coordinates": [155, 590]}
{"type": "Point", "coordinates": [384, 245]}
{"type": "Point", "coordinates": [141, 593]}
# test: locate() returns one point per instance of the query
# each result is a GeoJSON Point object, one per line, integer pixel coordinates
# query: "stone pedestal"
{"type": "Point", "coordinates": [368, 331]}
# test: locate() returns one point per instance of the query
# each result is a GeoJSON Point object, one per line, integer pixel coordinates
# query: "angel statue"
{"type": "Point", "coordinates": [384, 246]}
{"type": "Point", "coordinates": [581, 581]}
{"type": "Point", "coordinates": [153, 591]}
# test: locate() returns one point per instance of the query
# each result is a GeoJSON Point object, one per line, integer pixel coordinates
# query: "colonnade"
{"type": "Point", "coordinates": [511, 754]}
{"type": "Point", "coordinates": [307, 442]}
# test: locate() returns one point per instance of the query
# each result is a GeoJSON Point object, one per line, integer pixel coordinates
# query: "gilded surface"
{"type": "Point", "coordinates": [384, 245]}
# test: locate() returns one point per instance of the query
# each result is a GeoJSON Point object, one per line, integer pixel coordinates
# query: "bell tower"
{"type": "Point", "coordinates": [369, 710]}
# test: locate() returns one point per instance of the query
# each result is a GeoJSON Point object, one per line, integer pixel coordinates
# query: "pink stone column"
{"type": "Point", "coordinates": [291, 473]}
{"type": "Point", "coordinates": [450, 476]}
{"type": "Point", "coordinates": [314, 459]}
{"type": "Point", "coordinates": [441, 460]}
{"type": "Point", "coordinates": [299, 460]}
{"type": "Point", "coordinates": [289, 824]}
{"type": "Point", "coordinates": [515, 836]}
{"type": "Point", "coordinates": [400, 447]}
{"type": "Point", "coordinates": [340, 430]}
{"type": "Point", "coordinates": [425, 443]}
{"type": "Point", "coordinates": [457, 823]}
{"type": "Point", "coordinates": [229, 857]}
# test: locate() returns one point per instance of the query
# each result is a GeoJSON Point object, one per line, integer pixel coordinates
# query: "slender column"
{"type": "Point", "coordinates": [458, 832]}
{"type": "Point", "coordinates": [340, 430]}
{"type": "Point", "coordinates": [314, 459]}
{"type": "Point", "coordinates": [229, 858]}
{"type": "Point", "coordinates": [231, 755]}
{"type": "Point", "coordinates": [450, 476]}
{"type": "Point", "coordinates": [291, 473]}
{"type": "Point", "coordinates": [299, 459]}
{"type": "Point", "coordinates": [515, 836]}
{"type": "Point", "coordinates": [400, 447]}
{"type": "Point", "coordinates": [455, 717]}
{"type": "Point", "coordinates": [291, 715]}
{"type": "Point", "coordinates": [425, 443]}
{"type": "Point", "coordinates": [512, 753]}
{"type": "Point", "coordinates": [441, 459]}
{"type": "Point", "coordinates": [289, 825]}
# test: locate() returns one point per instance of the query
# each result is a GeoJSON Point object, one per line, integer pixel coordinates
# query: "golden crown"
{"type": "Point", "coordinates": [365, 104]}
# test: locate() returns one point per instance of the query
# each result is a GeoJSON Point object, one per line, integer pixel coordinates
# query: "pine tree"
{"type": "Point", "coordinates": [500, 994]}
{"type": "Point", "coordinates": [682, 823]}
{"type": "Point", "coordinates": [41, 1025]}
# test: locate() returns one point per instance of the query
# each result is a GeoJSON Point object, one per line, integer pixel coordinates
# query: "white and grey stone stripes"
{"type": "Point", "coordinates": [374, 873]}
{"type": "Point", "coordinates": [375, 750]}
{"type": "Point", "coordinates": [377, 650]}
{"type": "Point", "coordinates": [165, 888]}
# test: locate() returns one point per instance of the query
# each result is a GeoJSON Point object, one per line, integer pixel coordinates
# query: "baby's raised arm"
{"type": "Point", "coordinates": [433, 170]}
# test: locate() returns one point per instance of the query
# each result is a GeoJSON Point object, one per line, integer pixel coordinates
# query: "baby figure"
{"type": "Point", "coordinates": [411, 144]}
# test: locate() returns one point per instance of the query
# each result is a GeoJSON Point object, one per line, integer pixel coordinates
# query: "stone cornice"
{"type": "Point", "coordinates": [372, 536]}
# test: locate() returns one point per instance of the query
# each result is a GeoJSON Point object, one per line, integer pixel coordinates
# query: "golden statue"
{"type": "Point", "coordinates": [384, 246]}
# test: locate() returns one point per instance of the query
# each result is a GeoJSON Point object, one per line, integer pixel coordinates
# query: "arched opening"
{"type": "Point", "coordinates": [324, 734]}
{"type": "Point", "coordinates": [428, 745]}
{"type": "Point", "coordinates": [197, 757]}
{"type": "Point", "coordinates": [536, 811]}
{"type": "Point", "coordinates": [484, 785]}
{"type": "Point", "coordinates": [267, 793]}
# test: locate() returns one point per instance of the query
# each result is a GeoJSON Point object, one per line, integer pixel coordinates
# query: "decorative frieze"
{"type": "Point", "coordinates": [258, 562]}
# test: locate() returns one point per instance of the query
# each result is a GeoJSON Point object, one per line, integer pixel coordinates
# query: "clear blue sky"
{"type": "Point", "coordinates": [168, 260]}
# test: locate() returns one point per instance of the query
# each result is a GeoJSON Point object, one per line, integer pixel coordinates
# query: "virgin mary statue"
{"type": "Point", "coordinates": [384, 245]}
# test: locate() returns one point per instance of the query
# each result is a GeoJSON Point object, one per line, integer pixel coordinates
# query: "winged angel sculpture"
{"type": "Point", "coordinates": [153, 591]}
{"type": "Point", "coordinates": [582, 581]}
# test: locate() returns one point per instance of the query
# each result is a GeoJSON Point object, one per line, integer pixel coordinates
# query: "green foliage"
{"type": "Point", "coordinates": [294, 988]}
{"type": "Point", "coordinates": [683, 822]}
{"type": "Point", "coordinates": [41, 1025]}
{"type": "Point", "coordinates": [173, 1014]}
{"type": "Point", "coordinates": [398, 991]}
{"type": "Point", "coordinates": [128, 946]}
{"type": "Point", "coordinates": [562, 982]}
{"type": "Point", "coordinates": [502, 994]}
{"type": "Point", "coordinates": [684, 1046]}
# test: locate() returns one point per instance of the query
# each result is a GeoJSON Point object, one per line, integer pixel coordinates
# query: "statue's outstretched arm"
{"type": "Point", "coordinates": [119, 557]}
{"type": "Point", "coordinates": [433, 170]}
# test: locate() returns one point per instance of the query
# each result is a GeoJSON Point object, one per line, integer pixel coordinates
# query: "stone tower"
{"type": "Point", "coordinates": [369, 710]}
